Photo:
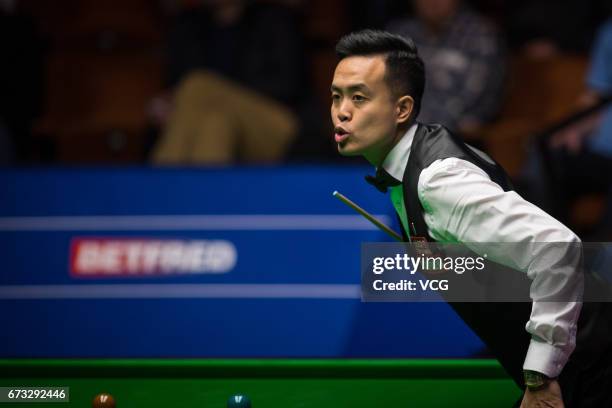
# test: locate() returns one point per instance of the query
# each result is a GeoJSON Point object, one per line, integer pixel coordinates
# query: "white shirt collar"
{"type": "Point", "coordinates": [396, 161]}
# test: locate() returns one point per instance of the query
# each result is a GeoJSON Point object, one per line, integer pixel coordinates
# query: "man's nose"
{"type": "Point", "coordinates": [344, 113]}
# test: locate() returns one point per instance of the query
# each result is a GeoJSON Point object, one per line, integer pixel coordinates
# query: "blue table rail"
{"type": "Point", "coordinates": [181, 262]}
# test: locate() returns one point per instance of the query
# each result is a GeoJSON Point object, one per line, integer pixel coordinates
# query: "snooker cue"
{"type": "Point", "coordinates": [368, 216]}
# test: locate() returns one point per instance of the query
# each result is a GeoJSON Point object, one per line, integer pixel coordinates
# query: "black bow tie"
{"type": "Point", "coordinates": [383, 180]}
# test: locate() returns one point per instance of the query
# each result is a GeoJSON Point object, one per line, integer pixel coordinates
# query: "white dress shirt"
{"type": "Point", "coordinates": [462, 204]}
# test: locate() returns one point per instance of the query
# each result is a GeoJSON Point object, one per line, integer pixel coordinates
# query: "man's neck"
{"type": "Point", "coordinates": [378, 158]}
{"type": "Point", "coordinates": [397, 159]}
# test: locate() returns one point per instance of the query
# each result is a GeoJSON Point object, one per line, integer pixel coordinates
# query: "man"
{"type": "Point", "coordinates": [234, 65]}
{"type": "Point", "coordinates": [453, 193]}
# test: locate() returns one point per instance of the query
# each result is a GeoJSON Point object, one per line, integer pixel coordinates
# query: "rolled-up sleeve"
{"type": "Point", "coordinates": [462, 204]}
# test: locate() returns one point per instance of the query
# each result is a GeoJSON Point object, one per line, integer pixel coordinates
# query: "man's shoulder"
{"type": "Point", "coordinates": [432, 129]}
{"type": "Point", "coordinates": [432, 126]}
{"type": "Point", "coordinates": [434, 141]}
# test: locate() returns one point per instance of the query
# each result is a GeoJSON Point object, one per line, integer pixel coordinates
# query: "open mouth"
{"type": "Point", "coordinates": [340, 134]}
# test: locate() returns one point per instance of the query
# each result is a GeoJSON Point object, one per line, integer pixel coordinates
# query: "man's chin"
{"type": "Point", "coordinates": [346, 149]}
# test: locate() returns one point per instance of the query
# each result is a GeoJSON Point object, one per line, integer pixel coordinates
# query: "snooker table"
{"type": "Point", "coordinates": [172, 383]}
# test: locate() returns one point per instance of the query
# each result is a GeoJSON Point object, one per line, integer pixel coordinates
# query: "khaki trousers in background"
{"type": "Point", "coordinates": [215, 121]}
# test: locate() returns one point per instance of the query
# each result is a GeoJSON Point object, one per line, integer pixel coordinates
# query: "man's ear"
{"type": "Point", "coordinates": [404, 108]}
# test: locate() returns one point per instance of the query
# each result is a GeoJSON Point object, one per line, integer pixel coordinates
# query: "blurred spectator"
{"type": "Point", "coordinates": [464, 63]}
{"type": "Point", "coordinates": [236, 68]}
{"type": "Point", "coordinates": [581, 154]}
{"type": "Point", "coordinates": [21, 81]}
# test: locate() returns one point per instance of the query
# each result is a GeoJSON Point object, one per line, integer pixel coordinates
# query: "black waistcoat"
{"type": "Point", "coordinates": [501, 325]}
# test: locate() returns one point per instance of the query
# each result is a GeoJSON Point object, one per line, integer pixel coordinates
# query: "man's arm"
{"type": "Point", "coordinates": [574, 136]}
{"type": "Point", "coordinates": [462, 204]}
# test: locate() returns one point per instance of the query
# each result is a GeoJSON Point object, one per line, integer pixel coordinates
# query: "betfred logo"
{"type": "Point", "coordinates": [95, 257]}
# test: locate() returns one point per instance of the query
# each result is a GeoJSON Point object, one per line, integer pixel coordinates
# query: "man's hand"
{"type": "Point", "coordinates": [547, 397]}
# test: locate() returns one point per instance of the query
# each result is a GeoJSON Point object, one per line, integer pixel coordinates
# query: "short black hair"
{"type": "Point", "coordinates": [404, 69]}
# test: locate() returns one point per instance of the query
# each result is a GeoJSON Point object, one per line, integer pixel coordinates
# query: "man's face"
{"type": "Point", "coordinates": [363, 111]}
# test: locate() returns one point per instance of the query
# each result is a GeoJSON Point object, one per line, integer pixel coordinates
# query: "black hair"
{"type": "Point", "coordinates": [404, 69]}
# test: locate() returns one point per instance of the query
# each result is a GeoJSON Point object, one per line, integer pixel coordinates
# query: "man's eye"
{"type": "Point", "coordinates": [335, 97]}
{"type": "Point", "coordinates": [359, 98]}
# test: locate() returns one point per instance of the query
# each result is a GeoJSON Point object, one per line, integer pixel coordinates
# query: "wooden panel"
{"type": "Point", "coordinates": [89, 22]}
{"type": "Point", "coordinates": [93, 94]}
{"type": "Point", "coordinates": [539, 93]}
